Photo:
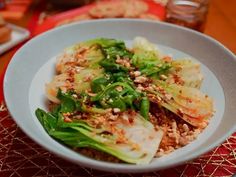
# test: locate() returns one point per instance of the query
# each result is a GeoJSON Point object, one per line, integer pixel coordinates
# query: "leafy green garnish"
{"type": "Point", "coordinates": [111, 66]}
{"type": "Point", "coordinates": [112, 49]}
{"type": "Point", "coordinates": [117, 95]}
{"type": "Point", "coordinates": [68, 102]}
{"type": "Point", "coordinates": [98, 84]}
{"type": "Point", "coordinates": [147, 59]}
{"type": "Point", "coordinates": [144, 108]}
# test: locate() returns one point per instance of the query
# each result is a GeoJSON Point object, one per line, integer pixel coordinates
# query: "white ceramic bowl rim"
{"type": "Point", "coordinates": [228, 89]}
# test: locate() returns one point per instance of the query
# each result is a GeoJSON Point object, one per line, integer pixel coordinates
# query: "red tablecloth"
{"type": "Point", "coordinates": [21, 157]}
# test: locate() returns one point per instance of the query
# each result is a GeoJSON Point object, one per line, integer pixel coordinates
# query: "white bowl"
{"type": "Point", "coordinates": [33, 65]}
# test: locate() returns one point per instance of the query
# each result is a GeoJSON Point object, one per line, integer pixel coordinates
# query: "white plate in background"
{"type": "Point", "coordinates": [18, 35]}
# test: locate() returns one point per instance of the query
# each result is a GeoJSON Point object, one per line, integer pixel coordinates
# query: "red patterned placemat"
{"type": "Point", "coordinates": [21, 157]}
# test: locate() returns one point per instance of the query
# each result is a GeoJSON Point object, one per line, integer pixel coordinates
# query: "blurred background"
{"type": "Point", "coordinates": [216, 18]}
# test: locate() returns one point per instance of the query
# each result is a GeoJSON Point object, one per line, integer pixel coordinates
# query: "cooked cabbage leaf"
{"type": "Point", "coordinates": [185, 72]}
{"type": "Point", "coordinates": [188, 103]}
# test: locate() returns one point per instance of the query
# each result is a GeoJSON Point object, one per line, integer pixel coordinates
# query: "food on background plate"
{"type": "Point", "coordinates": [121, 8]}
{"type": "Point", "coordinates": [108, 10]}
{"type": "Point", "coordinates": [114, 9]}
{"type": "Point", "coordinates": [5, 31]}
{"type": "Point", "coordinates": [131, 103]}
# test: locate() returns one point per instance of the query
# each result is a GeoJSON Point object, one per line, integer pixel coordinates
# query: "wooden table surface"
{"type": "Point", "coordinates": [221, 25]}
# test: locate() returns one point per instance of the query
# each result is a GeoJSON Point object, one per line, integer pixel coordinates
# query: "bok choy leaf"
{"type": "Point", "coordinates": [135, 142]}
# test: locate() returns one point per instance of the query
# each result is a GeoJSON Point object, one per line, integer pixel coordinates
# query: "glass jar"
{"type": "Point", "coordinates": [188, 13]}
